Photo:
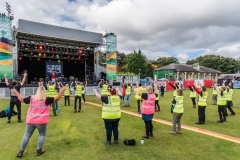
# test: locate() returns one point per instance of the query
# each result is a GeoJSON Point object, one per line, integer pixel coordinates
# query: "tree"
{"type": "Point", "coordinates": [164, 61]}
{"type": "Point", "coordinates": [121, 61]}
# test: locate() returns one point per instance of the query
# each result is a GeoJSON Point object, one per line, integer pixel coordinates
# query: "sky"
{"type": "Point", "coordinates": [184, 29]}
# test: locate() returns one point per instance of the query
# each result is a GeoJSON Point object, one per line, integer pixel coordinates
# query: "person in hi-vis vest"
{"type": "Point", "coordinates": [67, 94]}
{"type": "Point", "coordinates": [104, 87]}
{"type": "Point", "coordinates": [38, 115]}
{"type": "Point", "coordinates": [202, 103]}
{"type": "Point", "coordinates": [52, 92]}
{"type": "Point", "coordinates": [175, 87]}
{"type": "Point", "coordinates": [229, 98]}
{"type": "Point", "coordinates": [83, 91]}
{"type": "Point", "coordinates": [111, 113]}
{"type": "Point", "coordinates": [139, 98]}
{"type": "Point", "coordinates": [214, 94]}
{"type": "Point", "coordinates": [128, 94]}
{"type": "Point", "coordinates": [193, 96]}
{"type": "Point", "coordinates": [78, 93]}
{"type": "Point", "coordinates": [177, 112]}
{"type": "Point", "coordinates": [221, 102]}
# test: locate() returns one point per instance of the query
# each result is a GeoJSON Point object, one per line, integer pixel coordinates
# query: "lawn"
{"type": "Point", "coordinates": [81, 135]}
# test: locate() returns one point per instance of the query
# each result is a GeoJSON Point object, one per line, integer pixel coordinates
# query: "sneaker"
{"type": "Point", "coordinates": [116, 142]}
{"type": "Point", "coordinates": [145, 136]}
{"type": "Point", "coordinates": [220, 121]}
{"type": "Point", "coordinates": [79, 110]}
{"type": "Point", "coordinates": [55, 114]}
{"type": "Point", "coordinates": [20, 153]}
{"type": "Point", "coordinates": [8, 121]}
{"type": "Point", "coordinates": [39, 152]}
{"type": "Point", "coordinates": [20, 121]}
{"type": "Point", "coordinates": [75, 111]}
{"type": "Point", "coordinates": [232, 114]}
{"type": "Point", "coordinates": [139, 112]}
{"type": "Point", "coordinates": [178, 132]}
{"type": "Point", "coordinates": [172, 132]}
{"type": "Point", "coordinates": [107, 143]}
{"type": "Point", "coordinates": [198, 123]}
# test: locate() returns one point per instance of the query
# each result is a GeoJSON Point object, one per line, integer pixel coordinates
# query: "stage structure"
{"type": "Point", "coordinates": [111, 56]}
{"type": "Point", "coordinates": [6, 43]}
{"type": "Point", "coordinates": [37, 45]}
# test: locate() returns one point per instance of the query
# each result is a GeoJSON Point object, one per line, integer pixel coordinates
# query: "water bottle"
{"type": "Point", "coordinates": [58, 111]}
{"type": "Point", "coordinates": [142, 141]}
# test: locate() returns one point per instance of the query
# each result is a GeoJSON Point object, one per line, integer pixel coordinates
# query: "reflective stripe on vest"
{"type": "Point", "coordinates": [67, 92]}
{"type": "Point", "coordinates": [78, 91]}
{"type": "Point", "coordinates": [193, 93]}
{"type": "Point", "coordinates": [112, 109]}
{"type": "Point", "coordinates": [179, 104]}
{"type": "Point", "coordinates": [104, 90]}
{"type": "Point", "coordinates": [221, 100]}
{"type": "Point", "coordinates": [148, 106]}
{"type": "Point", "coordinates": [128, 91]}
{"type": "Point", "coordinates": [202, 101]}
{"type": "Point", "coordinates": [38, 112]}
{"type": "Point", "coordinates": [229, 95]}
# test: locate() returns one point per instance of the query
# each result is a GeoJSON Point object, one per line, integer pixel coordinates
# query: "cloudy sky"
{"type": "Point", "coordinates": [181, 28]}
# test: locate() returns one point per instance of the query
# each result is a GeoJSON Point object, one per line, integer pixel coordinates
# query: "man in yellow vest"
{"type": "Point", "coordinates": [138, 97]}
{"type": "Point", "coordinates": [78, 93]}
{"type": "Point", "coordinates": [175, 87]}
{"type": "Point", "coordinates": [215, 94]}
{"type": "Point", "coordinates": [52, 92]}
{"type": "Point", "coordinates": [229, 95]}
{"type": "Point", "coordinates": [128, 94]}
{"type": "Point", "coordinates": [193, 96]}
{"type": "Point", "coordinates": [221, 102]}
{"type": "Point", "coordinates": [104, 87]}
{"type": "Point", "coordinates": [67, 94]}
{"type": "Point", "coordinates": [111, 113]}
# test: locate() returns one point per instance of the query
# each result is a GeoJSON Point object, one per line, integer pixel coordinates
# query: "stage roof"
{"type": "Point", "coordinates": [41, 29]}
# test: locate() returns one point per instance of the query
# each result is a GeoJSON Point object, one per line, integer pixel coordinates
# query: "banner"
{"type": "Point", "coordinates": [6, 65]}
{"type": "Point", "coordinates": [111, 65]}
{"type": "Point", "coordinates": [54, 66]}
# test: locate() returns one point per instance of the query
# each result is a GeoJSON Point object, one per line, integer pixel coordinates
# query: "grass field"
{"type": "Point", "coordinates": [81, 135]}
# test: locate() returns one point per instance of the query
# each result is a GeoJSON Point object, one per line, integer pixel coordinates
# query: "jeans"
{"type": "Point", "coordinates": [162, 93]}
{"type": "Point", "coordinates": [214, 98]}
{"type": "Point", "coordinates": [66, 99]}
{"type": "Point", "coordinates": [148, 127]}
{"type": "Point", "coordinates": [111, 126]}
{"type": "Point", "coordinates": [83, 96]}
{"type": "Point", "coordinates": [127, 99]}
{"type": "Point", "coordinates": [201, 114]}
{"type": "Point", "coordinates": [15, 101]}
{"type": "Point", "coordinates": [177, 120]}
{"type": "Point", "coordinates": [221, 112]}
{"type": "Point", "coordinates": [77, 98]}
{"type": "Point", "coordinates": [42, 128]}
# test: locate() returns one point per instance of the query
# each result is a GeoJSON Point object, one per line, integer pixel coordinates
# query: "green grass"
{"type": "Point", "coordinates": [81, 135]}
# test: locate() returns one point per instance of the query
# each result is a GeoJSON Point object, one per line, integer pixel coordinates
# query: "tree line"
{"type": "Point", "coordinates": [137, 63]}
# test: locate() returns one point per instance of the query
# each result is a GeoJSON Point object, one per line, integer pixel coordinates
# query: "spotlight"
{"type": "Point", "coordinates": [68, 56]}
{"type": "Point", "coordinates": [30, 58]}
{"type": "Point", "coordinates": [38, 59]}
{"type": "Point", "coordinates": [82, 62]}
{"type": "Point", "coordinates": [49, 60]}
{"type": "Point", "coordinates": [44, 54]}
{"type": "Point", "coordinates": [59, 61]}
{"type": "Point", "coordinates": [20, 58]}
{"type": "Point", "coordinates": [39, 54]}
{"type": "Point", "coordinates": [57, 56]}
{"type": "Point", "coordinates": [79, 57]}
{"type": "Point", "coordinates": [80, 51]}
{"type": "Point", "coordinates": [31, 53]}
{"type": "Point", "coordinates": [52, 55]}
{"type": "Point", "coordinates": [40, 47]}
{"type": "Point", "coordinates": [22, 45]}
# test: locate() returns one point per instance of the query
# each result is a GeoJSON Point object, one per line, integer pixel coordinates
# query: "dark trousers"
{"type": "Point", "coordinates": [83, 96]}
{"type": "Point", "coordinates": [77, 98]}
{"type": "Point", "coordinates": [221, 112]}
{"type": "Point", "coordinates": [54, 106]}
{"type": "Point", "coordinates": [148, 127]}
{"type": "Point", "coordinates": [172, 107]}
{"type": "Point", "coordinates": [66, 99]}
{"type": "Point", "coordinates": [157, 107]}
{"type": "Point", "coordinates": [162, 93]}
{"type": "Point", "coordinates": [193, 100]}
{"type": "Point", "coordinates": [138, 103]}
{"type": "Point", "coordinates": [229, 106]}
{"type": "Point", "coordinates": [201, 114]}
{"type": "Point", "coordinates": [15, 101]}
{"type": "Point", "coordinates": [111, 126]}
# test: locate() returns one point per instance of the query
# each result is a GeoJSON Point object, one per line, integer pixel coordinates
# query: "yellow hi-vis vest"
{"type": "Point", "coordinates": [221, 100]}
{"type": "Point", "coordinates": [202, 100]}
{"type": "Point", "coordinates": [51, 92]}
{"type": "Point", "coordinates": [215, 92]}
{"type": "Point", "coordinates": [112, 109]}
{"type": "Point", "coordinates": [83, 90]}
{"type": "Point", "coordinates": [78, 91]}
{"type": "Point", "coordinates": [179, 104]}
{"type": "Point", "coordinates": [175, 92]}
{"type": "Point", "coordinates": [104, 90]}
{"type": "Point", "coordinates": [157, 98]}
{"type": "Point", "coordinates": [193, 94]}
{"type": "Point", "coordinates": [142, 90]}
{"type": "Point", "coordinates": [229, 95]}
{"type": "Point", "coordinates": [67, 92]}
{"type": "Point", "coordinates": [128, 90]}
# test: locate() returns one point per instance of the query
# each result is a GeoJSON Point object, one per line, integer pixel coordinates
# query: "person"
{"type": "Point", "coordinates": [53, 77]}
{"type": "Point", "coordinates": [148, 109]}
{"type": "Point", "coordinates": [37, 116]}
{"type": "Point", "coordinates": [83, 91]}
{"type": "Point", "coordinates": [52, 92]}
{"type": "Point", "coordinates": [128, 94]}
{"type": "Point", "coordinates": [214, 94]}
{"type": "Point", "coordinates": [5, 112]}
{"type": "Point", "coordinates": [193, 96]}
{"type": "Point", "coordinates": [111, 113]}
{"type": "Point", "coordinates": [162, 89]}
{"type": "Point", "coordinates": [177, 112]}
{"type": "Point", "coordinates": [157, 106]}
{"type": "Point", "coordinates": [175, 87]}
{"type": "Point", "coordinates": [104, 87]}
{"type": "Point", "coordinates": [123, 91]}
{"type": "Point", "coordinates": [229, 96]}
{"type": "Point", "coordinates": [202, 103]}
{"type": "Point", "coordinates": [123, 78]}
{"type": "Point", "coordinates": [13, 98]}
{"type": "Point", "coordinates": [67, 94]}
{"type": "Point", "coordinates": [78, 93]}
{"type": "Point", "coordinates": [221, 102]}
{"type": "Point", "coordinates": [139, 98]}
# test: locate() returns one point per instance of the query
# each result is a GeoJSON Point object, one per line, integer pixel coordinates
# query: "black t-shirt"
{"type": "Point", "coordinates": [18, 87]}
{"type": "Point", "coordinates": [104, 99]}
{"type": "Point", "coordinates": [162, 88]}
{"type": "Point", "coordinates": [145, 96]}
{"type": "Point", "coordinates": [48, 100]}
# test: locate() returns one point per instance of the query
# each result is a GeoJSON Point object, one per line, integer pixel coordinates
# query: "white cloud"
{"type": "Point", "coordinates": [182, 57]}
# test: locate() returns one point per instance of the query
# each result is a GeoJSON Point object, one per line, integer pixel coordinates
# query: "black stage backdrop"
{"type": "Point", "coordinates": [37, 69]}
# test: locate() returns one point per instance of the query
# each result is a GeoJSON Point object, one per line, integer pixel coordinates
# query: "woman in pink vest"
{"type": "Point", "coordinates": [148, 109]}
{"type": "Point", "coordinates": [37, 116]}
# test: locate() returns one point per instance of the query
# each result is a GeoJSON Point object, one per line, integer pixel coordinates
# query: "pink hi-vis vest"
{"type": "Point", "coordinates": [148, 106]}
{"type": "Point", "coordinates": [38, 112]}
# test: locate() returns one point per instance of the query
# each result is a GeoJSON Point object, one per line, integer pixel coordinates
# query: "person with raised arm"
{"type": "Point", "coordinates": [37, 116]}
{"type": "Point", "coordinates": [111, 113]}
{"type": "Point", "coordinates": [128, 94]}
{"type": "Point", "coordinates": [13, 98]}
{"type": "Point", "coordinates": [138, 97]}
{"type": "Point", "coordinates": [193, 96]}
{"type": "Point", "coordinates": [78, 94]}
{"type": "Point", "coordinates": [123, 91]}
{"type": "Point", "coordinates": [175, 87]}
{"type": "Point", "coordinates": [83, 91]}
{"type": "Point", "coordinates": [202, 103]}
{"type": "Point", "coordinates": [52, 92]}
{"type": "Point", "coordinates": [67, 94]}
{"type": "Point", "coordinates": [229, 98]}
